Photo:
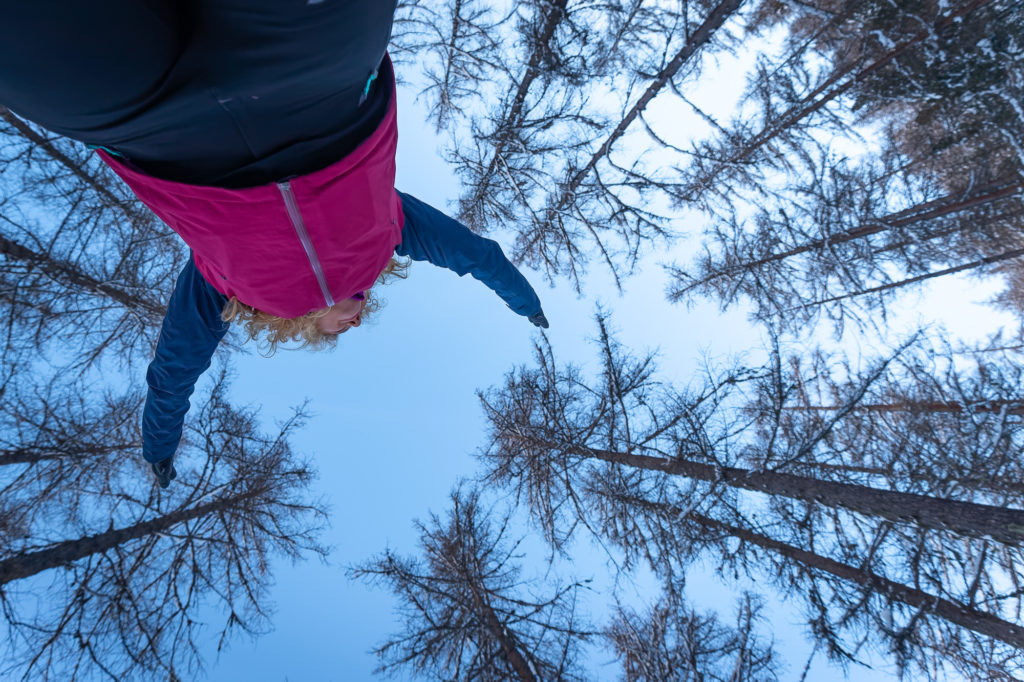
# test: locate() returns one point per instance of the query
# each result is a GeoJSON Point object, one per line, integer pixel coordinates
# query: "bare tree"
{"type": "Point", "coordinates": [930, 421]}
{"type": "Point", "coordinates": [497, 165]}
{"type": "Point", "coordinates": [468, 613]}
{"type": "Point", "coordinates": [124, 599]}
{"type": "Point", "coordinates": [598, 199]}
{"type": "Point", "coordinates": [835, 238]}
{"type": "Point", "coordinates": [458, 48]}
{"type": "Point", "coordinates": [868, 40]}
{"type": "Point", "coordinates": [51, 168]}
{"type": "Point", "coordinates": [59, 446]}
{"type": "Point", "coordinates": [543, 162]}
{"type": "Point", "coordinates": [849, 604]}
{"type": "Point", "coordinates": [545, 64]}
{"type": "Point", "coordinates": [50, 299]}
{"type": "Point", "coordinates": [800, 232]}
{"type": "Point", "coordinates": [689, 443]}
{"type": "Point", "coordinates": [561, 443]}
{"type": "Point", "coordinates": [671, 642]}
{"type": "Point", "coordinates": [80, 258]}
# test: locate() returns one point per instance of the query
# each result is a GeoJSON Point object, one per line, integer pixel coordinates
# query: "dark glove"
{"type": "Point", "coordinates": [538, 319]}
{"type": "Point", "coordinates": [164, 470]}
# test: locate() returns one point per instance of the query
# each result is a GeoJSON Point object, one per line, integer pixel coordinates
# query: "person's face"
{"type": "Point", "coordinates": [342, 316]}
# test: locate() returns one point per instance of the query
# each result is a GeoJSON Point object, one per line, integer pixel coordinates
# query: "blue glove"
{"type": "Point", "coordinates": [164, 470]}
{"type": "Point", "coordinates": [538, 319]}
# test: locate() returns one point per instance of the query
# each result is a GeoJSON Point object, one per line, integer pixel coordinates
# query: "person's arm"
{"type": "Point", "coordinates": [430, 235]}
{"type": "Point", "coordinates": [191, 330]}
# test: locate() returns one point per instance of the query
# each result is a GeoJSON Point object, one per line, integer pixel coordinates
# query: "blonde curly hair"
{"type": "Point", "coordinates": [303, 329]}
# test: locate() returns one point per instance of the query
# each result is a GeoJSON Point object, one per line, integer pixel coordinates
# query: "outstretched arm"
{"type": "Point", "coordinates": [430, 235]}
{"type": "Point", "coordinates": [189, 336]}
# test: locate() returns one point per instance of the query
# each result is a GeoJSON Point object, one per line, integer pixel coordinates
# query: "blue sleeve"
{"type": "Point", "coordinates": [189, 336]}
{"type": "Point", "coordinates": [429, 235]}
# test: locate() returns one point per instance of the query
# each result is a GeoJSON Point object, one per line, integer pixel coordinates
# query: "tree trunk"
{"type": "Point", "coordinates": [844, 468]}
{"type": "Point", "coordinates": [515, 658]}
{"type": "Point", "coordinates": [73, 276]}
{"type": "Point", "coordinates": [34, 455]}
{"type": "Point", "coordinates": [964, 518]}
{"type": "Point", "coordinates": [916, 214]}
{"type": "Point", "coordinates": [1016, 407]}
{"type": "Point", "coordinates": [990, 484]}
{"type": "Point", "coordinates": [29, 564]}
{"type": "Point", "coordinates": [958, 614]}
{"type": "Point", "coordinates": [981, 262]}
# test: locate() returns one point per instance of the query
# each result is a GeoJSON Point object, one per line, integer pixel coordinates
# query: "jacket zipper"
{"type": "Point", "coordinates": [300, 229]}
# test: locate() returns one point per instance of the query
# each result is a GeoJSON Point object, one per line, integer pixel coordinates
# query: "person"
{"type": "Point", "coordinates": [264, 133]}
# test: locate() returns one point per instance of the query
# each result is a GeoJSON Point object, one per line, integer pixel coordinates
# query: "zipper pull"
{"type": "Point", "coordinates": [366, 90]}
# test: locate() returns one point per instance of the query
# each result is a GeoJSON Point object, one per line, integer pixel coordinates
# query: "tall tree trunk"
{"type": "Point", "coordinates": [73, 276]}
{"type": "Point", "coordinates": [933, 209]}
{"type": "Point", "coordinates": [831, 88]}
{"type": "Point", "coordinates": [989, 484]}
{"type": "Point", "coordinates": [64, 553]}
{"type": "Point", "coordinates": [958, 614]}
{"type": "Point", "coordinates": [964, 518]}
{"type": "Point", "coordinates": [508, 644]}
{"type": "Point", "coordinates": [32, 455]}
{"type": "Point", "coordinates": [1015, 407]}
{"type": "Point", "coordinates": [981, 262]}
{"type": "Point", "coordinates": [469, 206]}
{"type": "Point", "coordinates": [844, 468]}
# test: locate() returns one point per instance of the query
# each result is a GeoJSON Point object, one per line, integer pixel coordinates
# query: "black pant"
{"type": "Point", "coordinates": [229, 92]}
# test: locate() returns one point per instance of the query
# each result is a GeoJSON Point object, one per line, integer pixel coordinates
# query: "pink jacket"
{"type": "Point", "coordinates": [294, 246]}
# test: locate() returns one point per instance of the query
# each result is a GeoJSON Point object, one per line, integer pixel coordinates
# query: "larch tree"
{"type": "Point", "coordinates": [457, 46]}
{"type": "Point", "coordinates": [603, 202]}
{"type": "Point", "coordinates": [798, 228]}
{"type": "Point", "coordinates": [60, 443]}
{"type": "Point", "coordinates": [835, 245]}
{"type": "Point", "coordinates": [933, 420]}
{"type": "Point", "coordinates": [672, 642]}
{"type": "Point", "coordinates": [82, 262]}
{"type": "Point", "coordinates": [668, 474]}
{"type": "Point", "coordinates": [129, 584]}
{"type": "Point", "coordinates": [836, 50]}
{"type": "Point", "coordinates": [49, 299]}
{"type": "Point", "coordinates": [535, 108]}
{"type": "Point", "coordinates": [550, 161]}
{"type": "Point", "coordinates": [851, 606]}
{"type": "Point", "coordinates": [469, 614]}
